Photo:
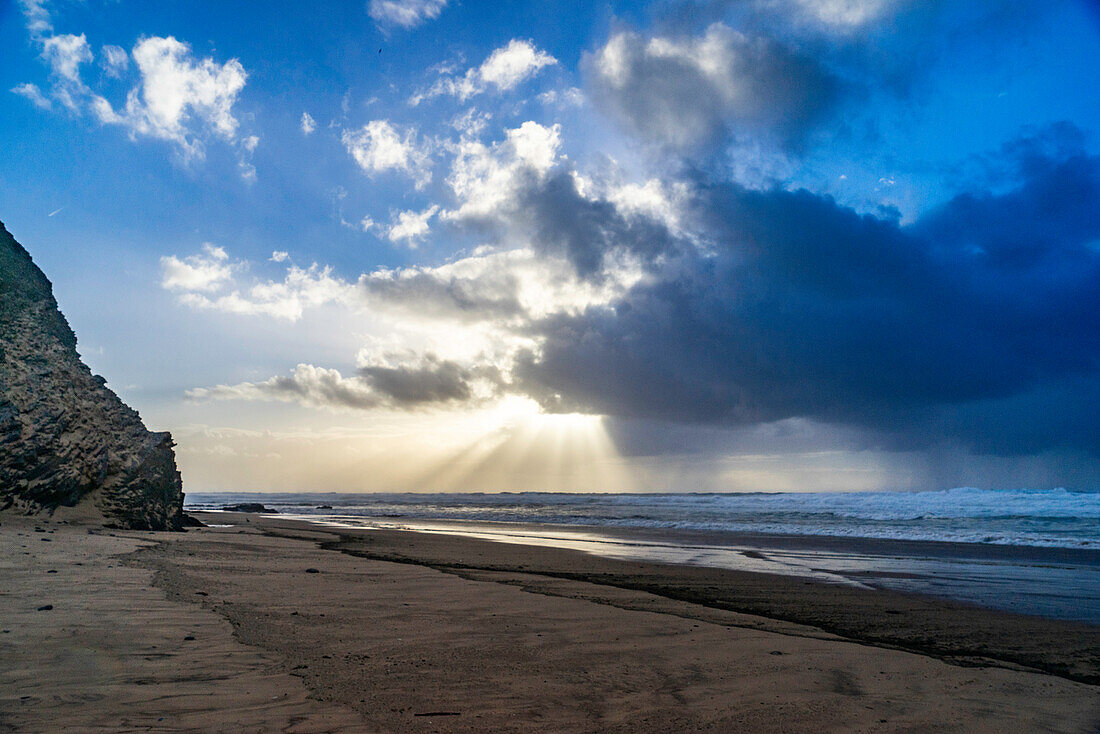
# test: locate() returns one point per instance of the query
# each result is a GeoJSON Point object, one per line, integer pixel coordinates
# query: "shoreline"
{"type": "Point", "coordinates": [957, 632]}
{"type": "Point", "coordinates": [1052, 582]}
{"type": "Point", "coordinates": [935, 548]}
{"type": "Point", "coordinates": [402, 631]}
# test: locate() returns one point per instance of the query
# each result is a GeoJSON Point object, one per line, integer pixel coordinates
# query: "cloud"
{"type": "Point", "coordinates": [560, 219]}
{"type": "Point", "coordinates": [65, 53]}
{"type": "Point", "coordinates": [37, 17]}
{"type": "Point", "coordinates": [471, 123]}
{"type": "Point", "coordinates": [404, 13]}
{"type": "Point", "coordinates": [432, 335]}
{"type": "Point", "coordinates": [180, 98]}
{"type": "Point", "coordinates": [34, 94]}
{"type": "Point", "coordinates": [426, 380]}
{"type": "Point", "coordinates": [244, 160]}
{"type": "Point", "coordinates": [301, 289]}
{"type": "Point", "coordinates": [501, 289]}
{"type": "Point", "coordinates": [474, 289]}
{"type": "Point", "coordinates": [504, 69]}
{"type": "Point", "coordinates": [508, 66]}
{"type": "Point", "coordinates": [486, 180]}
{"type": "Point", "coordinates": [571, 97]}
{"type": "Point", "coordinates": [380, 146]}
{"type": "Point", "coordinates": [307, 384]}
{"type": "Point", "coordinates": [210, 281]}
{"type": "Point", "coordinates": [706, 302]}
{"type": "Point", "coordinates": [178, 91]}
{"type": "Point", "coordinates": [115, 61]}
{"type": "Point", "coordinates": [520, 188]}
{"type": "Point", "coordinates": [308, 124]}
{"type": "Point", "coordinates": [837, 14]}
{"type": "Point", "coordinates": [279, 256]}
{"type": "Point", "coordinates": [691, 93]}
{"type": "Point", "coordinates": [423, 382]}
{"type": "Point", "coordinates": [976, 324]}
{"type": "Point", "coordinates": [411, 226]}
{"type": "Point", "coordinates": [204, 272]}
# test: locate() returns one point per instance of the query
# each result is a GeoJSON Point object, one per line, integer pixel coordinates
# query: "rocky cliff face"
{"type": "Point", "coordinates": [64, 437]}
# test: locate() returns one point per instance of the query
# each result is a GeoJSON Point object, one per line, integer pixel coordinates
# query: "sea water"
{"type": "Point", "coordinates": [1057, 517]}
{"type": "Point", "coordinates": [1027, 551]}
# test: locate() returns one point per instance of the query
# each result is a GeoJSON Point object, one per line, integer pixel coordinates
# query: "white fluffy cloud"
{"type": "Point", "coordinates": [411, 226]}
{"type": "Point", "coordinates": [204, 272]}
{"type": "Point", "coordinates": [308, 123]}
{"type": "Point", "coordinates": [405, 13]}
{"type": "Point", "coordinates": [65, 53]}
{"type": "Point", "coordinates": [485, 179]}
{"type": "Point", "coordinates": [210, 281]}
{"type": "Point", "coordinates": [508, 66]}
{"type": "Point", "coordinates": [302, 288]}
{"type": "Point", "coordinates": [505, 68]}
{"type": "Point", "coordinates": [380, 146]}
{"type": "Point", "coordinates": [179, 98]}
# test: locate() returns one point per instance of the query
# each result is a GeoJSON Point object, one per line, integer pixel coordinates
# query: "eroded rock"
{"type": "Point", "coordinates": [65, 438]}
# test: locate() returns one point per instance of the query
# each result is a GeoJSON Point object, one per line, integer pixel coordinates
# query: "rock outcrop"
{"type": "Point", "coordinates": [64, 437]}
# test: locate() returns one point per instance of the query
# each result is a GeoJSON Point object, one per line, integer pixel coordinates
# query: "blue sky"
{"type": "Point", "coordinates": [766, 244]}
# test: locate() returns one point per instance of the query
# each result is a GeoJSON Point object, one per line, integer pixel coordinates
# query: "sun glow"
{"type": "Point", "coordinates": [520, 448]}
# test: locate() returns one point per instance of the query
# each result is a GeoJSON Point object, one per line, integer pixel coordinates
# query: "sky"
{"type": "Point", "coordinates": [683, 245]}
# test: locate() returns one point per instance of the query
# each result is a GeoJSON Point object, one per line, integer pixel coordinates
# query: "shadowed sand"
{"type": "Point", "coordinates": [493, 642]}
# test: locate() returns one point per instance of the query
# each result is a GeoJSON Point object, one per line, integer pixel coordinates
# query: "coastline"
{"type": "Point", "coordinates": [1055, 582]}
{"type": "Point", "coordinates": [402, 631]}
{"type": "Point", "coordinates": [958, 632]}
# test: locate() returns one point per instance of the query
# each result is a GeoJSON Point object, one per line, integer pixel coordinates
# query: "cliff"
{"type": "Point", "coordinates": [65, 439]}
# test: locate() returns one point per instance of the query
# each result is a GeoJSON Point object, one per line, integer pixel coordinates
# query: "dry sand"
{"type": "Point", "coordinates": [113, 653]}
{"type": "Point", "coordinates": [474, 644]}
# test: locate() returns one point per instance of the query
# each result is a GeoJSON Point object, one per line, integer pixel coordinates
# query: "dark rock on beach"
{"type": "Point", "coordinates": [65, 438]}
{"type": "Point", "coordinates": [250, 507]}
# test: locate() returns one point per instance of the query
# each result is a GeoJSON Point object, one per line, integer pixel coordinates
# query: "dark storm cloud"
{"type": "Point", "coordinates": [434, 293]}
{"type": "Point", "coordinates": [980, 322]}
{"type": "Point", "coordinates": [560, 221]}
{"type": "Point", "coordinates": [695, 93]}
{"type": "Point", "coordinates": [431, 380]}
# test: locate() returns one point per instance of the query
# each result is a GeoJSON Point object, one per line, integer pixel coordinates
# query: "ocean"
{"type": "Point", "coordinates": [1027, 551]}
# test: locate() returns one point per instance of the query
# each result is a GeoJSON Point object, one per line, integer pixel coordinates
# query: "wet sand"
{"type": "Point", "coordinates": [958, 632]}
{"type": "Point", "coordinates": [301, 629]}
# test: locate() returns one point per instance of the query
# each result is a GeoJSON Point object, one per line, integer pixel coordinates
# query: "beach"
{"type": "Point", "coordinates": [269, 624]}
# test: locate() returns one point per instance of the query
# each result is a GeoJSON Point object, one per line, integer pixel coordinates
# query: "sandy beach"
{"type": "Point", "coordinates": [276, 625]}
